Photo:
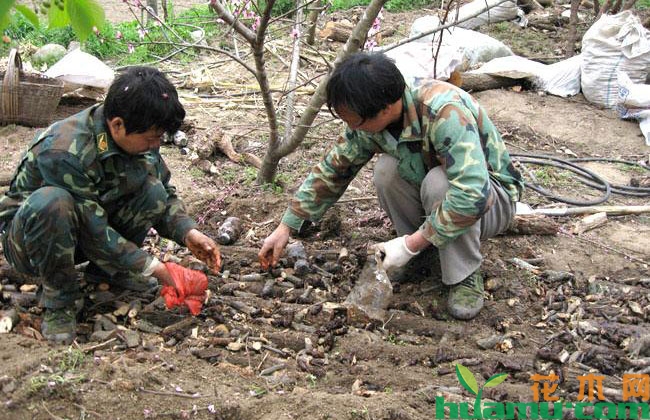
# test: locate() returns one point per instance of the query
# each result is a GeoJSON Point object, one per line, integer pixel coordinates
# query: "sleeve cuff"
{"type": "Point", "coordinates": [150, 267]}
{"type": "Point", "coordinates": [432, 235]}
{"type": "Point", "coordinates": [180, 231]}
{"type": "Point", "coordinates": [293, 221]}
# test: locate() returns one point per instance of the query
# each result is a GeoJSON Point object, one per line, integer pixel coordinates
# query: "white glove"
{"type": "Point", "coordinates": [396, 253]}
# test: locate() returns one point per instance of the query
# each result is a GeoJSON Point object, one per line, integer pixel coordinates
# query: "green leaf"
{"type": "Point", "coordinates": [5, 7]}
{"type": "Point", "coordinates": [466, 379]}
{"type": "Point", "coordinates": [84, 16]}
{"type": "Point", "coordinates": [495, 380]}
{"type": "Point", "coordinates": [57, 18]}
{"type": "Point", "coordinates": [29, 15]}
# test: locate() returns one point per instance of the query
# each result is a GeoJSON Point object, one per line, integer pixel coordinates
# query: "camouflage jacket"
{"type": "Point", "coordinates": [79, 155]}
{"type": "Point", "coordinates": [443, 125]}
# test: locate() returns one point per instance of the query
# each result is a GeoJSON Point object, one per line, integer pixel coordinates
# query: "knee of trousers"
{"type": "Point", "coordinates": [434, 188]}
{"type": "Point", "coordinates": [153, 199]}
{"type": "Point", "coordinates": [53, 207]}
{"type": "Point", "coordinates": [385, 172]}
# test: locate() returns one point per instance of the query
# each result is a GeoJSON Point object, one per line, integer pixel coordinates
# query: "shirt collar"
{"type": "Point", "coordinates": [412, 130]}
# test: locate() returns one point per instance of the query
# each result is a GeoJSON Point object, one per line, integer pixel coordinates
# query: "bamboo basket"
{"type": "Point", "coordinates": [27, 99]}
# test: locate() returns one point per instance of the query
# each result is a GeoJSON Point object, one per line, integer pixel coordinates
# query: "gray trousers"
{"type": "Point", "coordinates": [408, 206]}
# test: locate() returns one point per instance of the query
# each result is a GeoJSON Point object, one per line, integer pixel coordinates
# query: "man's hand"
{"type": "Point", "coordinates": [204, 248]}
{"type": "Point", "coordinates": [396, 253]}
{"type": "Point", "coordinates": [160, 272]}
{"type": "Point", "coordinates": [273, 246]}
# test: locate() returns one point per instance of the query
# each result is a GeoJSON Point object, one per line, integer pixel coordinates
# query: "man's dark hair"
{"type": "Point", "coordinates": [365, 83]}
{"type": "Point", "coordinates": [144, 98]}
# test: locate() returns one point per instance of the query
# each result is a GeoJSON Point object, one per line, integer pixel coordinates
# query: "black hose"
{"type": "Point", "coordinates": [583, 174]}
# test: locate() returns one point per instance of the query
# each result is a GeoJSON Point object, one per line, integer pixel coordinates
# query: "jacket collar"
{"type": "Point", "coordinates": [412, 130]}
{"type": "Point", "coordinates": [105, 144]}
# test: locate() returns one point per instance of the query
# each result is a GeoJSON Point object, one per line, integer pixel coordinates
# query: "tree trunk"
{"type": "Point", "coordinates": [315, 10]}
{"type": "Point", "coordinates": [353, 44]}
{"type": "Point", "coordinates": [573, 30]}
{"type": "Point", "coordinates": [153, 5]}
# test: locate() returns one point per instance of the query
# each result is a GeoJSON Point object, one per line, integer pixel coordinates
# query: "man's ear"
{"type": "Point", "coordinates": [116, 126]}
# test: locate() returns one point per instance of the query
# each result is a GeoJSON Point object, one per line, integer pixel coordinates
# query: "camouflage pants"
{"type": "Point", "coordinates": [44, 237]}
{"type": "Point", "coordinates": [407, 206]}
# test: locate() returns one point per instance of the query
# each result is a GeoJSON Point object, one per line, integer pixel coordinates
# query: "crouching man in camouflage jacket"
{"type": "Point", "coordinates": [89, 188]}
{"type": "Point", "coordinates": [444, 175]}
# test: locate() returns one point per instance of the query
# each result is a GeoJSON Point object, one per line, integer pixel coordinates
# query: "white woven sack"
{"type": "Point", "coordinates": [613, 43]}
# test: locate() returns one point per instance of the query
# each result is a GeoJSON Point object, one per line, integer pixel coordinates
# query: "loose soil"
{"type": "Point", "coordinates": [300, 357]}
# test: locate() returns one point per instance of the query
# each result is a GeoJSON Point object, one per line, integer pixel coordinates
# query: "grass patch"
{"type": "Point", "coordinates": [392, 5]}
{"type": "Point", "coordinates": [128, 42]}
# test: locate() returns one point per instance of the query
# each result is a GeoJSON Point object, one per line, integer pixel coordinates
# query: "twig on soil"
{"type": "Point", "coordinates": [50, 413]}
{"type": "Point", "coordinates": [85, 410]}
{"type": "Point", "coordinates": [349, 200]}
{"type": "Point", "coordinates": [607, 247]}
{"type": "Point", "coordinates": [169, 393]}
{"type": "Point", "coordinates": [97, 346]}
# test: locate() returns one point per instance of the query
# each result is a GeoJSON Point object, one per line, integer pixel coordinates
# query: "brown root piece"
{"type": "Point", "coordinates": [224, 144]}
{"type": "Point", "coordinates": [336, 31]}
{"type": "Point", "coordinates": [534, 224]}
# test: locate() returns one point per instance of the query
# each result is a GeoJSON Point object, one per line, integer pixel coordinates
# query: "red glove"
{"type": "Point", "coordinates": [190, 288]}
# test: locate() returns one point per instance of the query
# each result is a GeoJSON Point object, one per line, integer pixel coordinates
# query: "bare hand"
{"type": "Point", "coordinates": [273, 246]}
{"type": "Point", "coordinates": [204, 248]}
{"type": "Point", "coordinates": [163, 276]}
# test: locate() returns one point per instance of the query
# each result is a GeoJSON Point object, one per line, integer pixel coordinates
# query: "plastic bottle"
{"type": "Point", "coordinates": [373, 290]}
{"type": "Point", "coordinates": [229, 231]}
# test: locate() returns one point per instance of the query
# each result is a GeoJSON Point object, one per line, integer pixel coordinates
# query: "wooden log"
{"type": "Point", "coordinates": [8, 320]}
{"type": "Point", "coordinates": [610, 210]}
{"type": "Point", "coordinates": [529, 5]}
{"type": "Point", "coordinates": [336, 31]}
{"type": "Point", "coordinates": [21, 299]}
{"type": "Point", "coordinates": [476, 82]}
{"type": "Point", "coordinates": [181, 326]}
{"type": "Point", "coordinates": [533, 224]}
{"type": "Point", "coordinates": [590, 222]}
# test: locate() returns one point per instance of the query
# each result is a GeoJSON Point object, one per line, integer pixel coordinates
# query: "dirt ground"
{"type": "Point", "coordinates": [290, 352]}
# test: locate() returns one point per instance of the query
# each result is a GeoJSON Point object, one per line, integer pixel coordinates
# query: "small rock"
{"type": "Point", "coordinates": [235, 346]}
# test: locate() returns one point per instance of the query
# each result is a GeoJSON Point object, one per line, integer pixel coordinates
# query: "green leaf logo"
{"type": "Point", "coordinates": [495, 380]}
{"type": "Point", "coordinates": [466, 379]}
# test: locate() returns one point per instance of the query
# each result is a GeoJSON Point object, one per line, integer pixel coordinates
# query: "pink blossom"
{"type": "Point", "coordinates": [130, 48]}
{"type": "Point", "coordinates": [95, 30]}
{"type": "Point", "coordinates": [256, 24]}
{"type": "Point", "coordinates": [141, 33]}
{"type": "Point", "coordinates": [295, 33]}
{"type": "Point", "coordinates": [118, 35]}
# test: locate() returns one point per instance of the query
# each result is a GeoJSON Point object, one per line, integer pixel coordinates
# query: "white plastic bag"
{"type": "Point", "coordinates": [82, 69]}
{"type": "Point", "coordinates": [561, 78]}
{"type": "Point", "coordinates": [501, 13]}
{"type": "Point", "coordinates": [477, 48]}
{"type": "Point", "coordinates": [634, 102]}
{"type": "Point", "coordinates": [415, 61]}
{"type": "Point", "coordinates": [613, 43]}
{"type": "Point", "coordinates": [461, 49]}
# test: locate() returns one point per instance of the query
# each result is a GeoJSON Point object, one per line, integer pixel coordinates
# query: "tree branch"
{"type": "Point", "coordinates": [228, 17]}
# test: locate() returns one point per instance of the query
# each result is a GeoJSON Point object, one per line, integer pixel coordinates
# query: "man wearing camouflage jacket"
{"type": "Point", "coordinates": [90, 187]}
{"type": "Point", "coordinates": [444, 175]}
